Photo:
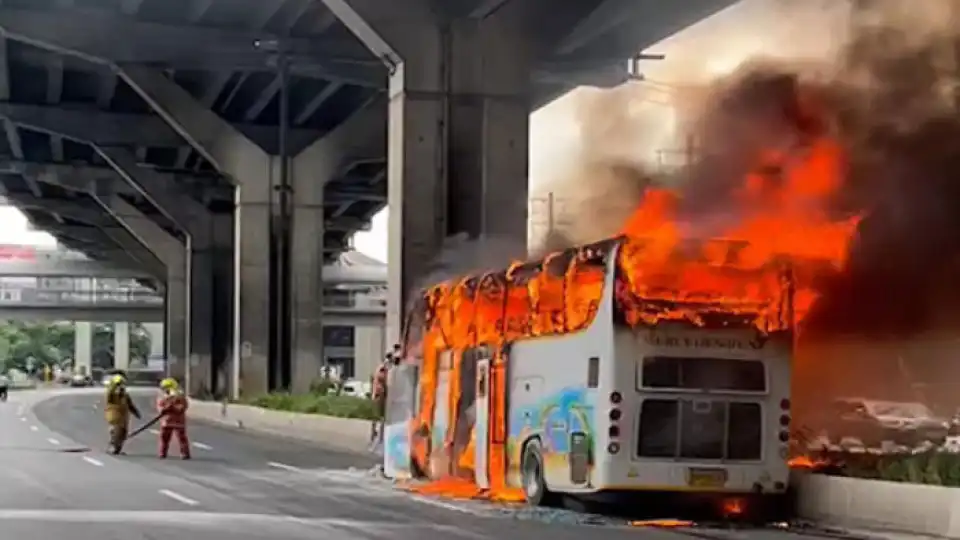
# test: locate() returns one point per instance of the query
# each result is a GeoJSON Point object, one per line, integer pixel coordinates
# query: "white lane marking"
{"type": "Point", "coordinates": [34, 428]}
{"type": "Point", "coordinates": [155, 431]}
{"type": "Point", "coordinates": [202, 446]}
{"type": "Point", "coordinates": [284, 466]}
{"type": "Point", "coordinates": [23, 418]}
{"type": "Point", "coordinates": [94, 462]}
{"type": "Point", "coordinates": [20, 410]}
{"type": "Point", "coordinates": [53, 441]}
{"type": "Point", "coordinates": [453, 507]}
{"type": "Point", "coordinates": [178, 497]}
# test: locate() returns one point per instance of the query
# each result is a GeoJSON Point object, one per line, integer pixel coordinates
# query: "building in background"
{"type": "Point", "coordinates": [355, 306]}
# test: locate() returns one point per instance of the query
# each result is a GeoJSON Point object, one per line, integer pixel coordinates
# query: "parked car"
{"type": "Point", "coordinates": [356, 388]}
{"type": "Point", "coordinates": [875, 421]}
{"type": "Point", "coordinates": [80, 380]}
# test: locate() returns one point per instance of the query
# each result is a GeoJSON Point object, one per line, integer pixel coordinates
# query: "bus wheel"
{"type": "Point", "coordinates": [531, 476]}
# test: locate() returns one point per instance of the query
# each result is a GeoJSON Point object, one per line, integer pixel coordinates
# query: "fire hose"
{"type": "Point", "coordinates": [152, 422]}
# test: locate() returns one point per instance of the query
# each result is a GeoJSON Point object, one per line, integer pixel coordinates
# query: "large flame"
{"type": "Point", "coordinates": [780, 218]}
{"type": "Point", "coordinates": [754, 259]}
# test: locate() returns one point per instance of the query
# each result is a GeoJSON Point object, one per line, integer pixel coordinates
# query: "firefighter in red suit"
{"type": "Point", "coordinates": [172, 404]}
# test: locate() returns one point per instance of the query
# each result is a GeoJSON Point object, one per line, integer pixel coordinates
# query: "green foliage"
{"type": "Point", "coordinates": [318, 403]}
{"type": "Point", "coordinates": [931, 468]}
{"type": "Point", "coordinates": [323, 386]}
{"type": "Point", "coordinates": [25, 344]}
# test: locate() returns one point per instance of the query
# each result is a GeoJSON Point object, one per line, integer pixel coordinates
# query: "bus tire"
{"type": "Point", "coordinates": [532, 477]}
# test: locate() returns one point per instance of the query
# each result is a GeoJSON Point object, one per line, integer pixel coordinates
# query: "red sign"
{"type": "Point", "coordinates": [17, 252]}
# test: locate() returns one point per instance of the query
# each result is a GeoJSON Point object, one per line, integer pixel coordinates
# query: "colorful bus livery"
{"type": "Point", "coordinates": [555, 377]}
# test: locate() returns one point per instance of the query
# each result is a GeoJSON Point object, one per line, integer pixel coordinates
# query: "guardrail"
{"type": "Point", "coordinates": [37, 297]}
{"type": "Point", "coordinates": [878, 505]}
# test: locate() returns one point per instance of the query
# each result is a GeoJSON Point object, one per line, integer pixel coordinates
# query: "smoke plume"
{"type": "Point", "coordinates": [890, 98]}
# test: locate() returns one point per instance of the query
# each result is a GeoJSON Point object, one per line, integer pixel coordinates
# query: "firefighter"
{"type": "Point", "coordinates": [172, 406]}
{"type": "Point", "coordinates": [380, 395]}
{"type": "Point", "coordinates": [119, 407]}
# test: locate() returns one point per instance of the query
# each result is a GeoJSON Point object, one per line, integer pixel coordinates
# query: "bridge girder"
{"type": "Point", "coordinates": [93, 35]}
{"type": "Point", "coordinates": [91, 125]}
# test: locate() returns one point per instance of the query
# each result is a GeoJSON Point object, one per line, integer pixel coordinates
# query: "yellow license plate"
{"type": "Point", "coordinates": [706, 478]}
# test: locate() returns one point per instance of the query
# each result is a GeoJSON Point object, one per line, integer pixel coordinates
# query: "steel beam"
{"type": "Point", "coordinates": [75, 210]}
{"type": "Point", "coordinates": [137, 256]}
{"type": "Point", "coordinates": [90, 125]}
{"type": "Point", "coordinates": [184, 211]}
{"type": "Point", "coordinates": [93, 35]}
{"type": "Point", "coordinates": [84, 176]}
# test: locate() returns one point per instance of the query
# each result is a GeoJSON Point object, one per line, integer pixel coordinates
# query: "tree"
{"type": "Point", "coordinates": [28, 345]}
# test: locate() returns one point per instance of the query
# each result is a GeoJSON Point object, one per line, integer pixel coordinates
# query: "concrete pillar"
{"type": "Point", "coordinates": [201, 321]}
{"type": "Point", "coordinates": [156, 339]}
{"type": "Point", "coordinates": [83, 348]}
{"type": "Point", "coordinates": [255, 172]}
{"type": "Point", "coordinates": [121, 345]}
{"type": "Point", "coordinates": [458, 129]}
{"type": "Point", "coordinates": [368, 350]}
{"type": "Point", "coordinates": [221, 312]}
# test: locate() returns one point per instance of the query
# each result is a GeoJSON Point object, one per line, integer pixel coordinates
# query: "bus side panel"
{"type": "Point", "coordinates": [550, 400]}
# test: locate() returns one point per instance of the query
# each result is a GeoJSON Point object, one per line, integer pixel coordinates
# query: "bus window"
{"type": "Point", "coordinates": [489, 304]}
{"type": "Point", "coordinates": [659, 420]}
{"type": "Point", "coordinates": [547, 295]}
{"type": "Point", "coordinates": [700, 429]}
{"type": "Point", "coordinates": [463, 308]}
{"type": "Point", "coordinates": [745, 441]}
{"type": "Point", "coordinates": [717, 374]}
{"type": "Point", "coordinates": [519, 305]}
{"type": "Point", "coordinates": [584, 290]}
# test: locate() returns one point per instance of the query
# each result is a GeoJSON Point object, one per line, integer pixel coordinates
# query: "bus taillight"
{"type": "Point", "coordinates": [613, 431]}
{"type": "Point", "coordinates": [785, 404]}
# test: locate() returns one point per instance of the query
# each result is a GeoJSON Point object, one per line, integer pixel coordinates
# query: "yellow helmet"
{"type": "Point", "coordinates": [117, 380]}
{"type": "Point", "coordinates": [169, 384]}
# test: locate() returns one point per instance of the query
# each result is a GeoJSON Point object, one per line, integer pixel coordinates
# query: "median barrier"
{"type": "Point", "coordinates": [879, 505]}
{"type": "Point", "coordinates": [347, 434]}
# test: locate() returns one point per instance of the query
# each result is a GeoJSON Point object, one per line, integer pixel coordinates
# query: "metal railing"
{"type": "Point", "coordinates": [34, 253]}
{"type": "Point", "coordinates": [40, 297]}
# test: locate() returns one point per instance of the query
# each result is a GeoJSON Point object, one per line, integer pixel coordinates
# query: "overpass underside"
{"type": "Point", "coordinates": [150, 137]}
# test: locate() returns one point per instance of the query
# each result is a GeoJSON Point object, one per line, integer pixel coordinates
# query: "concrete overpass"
{"type": "Point", "coordinates": [146, 135]}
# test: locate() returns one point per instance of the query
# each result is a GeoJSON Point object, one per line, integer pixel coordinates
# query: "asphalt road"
{"type": "Point", "coordinates": [56, 481]}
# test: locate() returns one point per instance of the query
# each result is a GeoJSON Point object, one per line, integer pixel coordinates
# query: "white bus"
{"type": "Point", "coordinates": [590, 405]}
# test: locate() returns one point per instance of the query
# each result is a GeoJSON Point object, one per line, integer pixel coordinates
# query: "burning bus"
{"type": "Point", "coordinates": [590, 372]}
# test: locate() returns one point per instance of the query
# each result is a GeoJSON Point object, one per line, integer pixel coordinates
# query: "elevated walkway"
{"type": "Point", "coordinates": [107, 300]}
{"type": "Point", "coordinates": [28, 261]}
{"type": "Point", "coordinates": [54, 284]}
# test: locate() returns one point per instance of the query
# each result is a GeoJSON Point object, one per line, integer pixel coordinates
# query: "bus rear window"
{"type": "Point", "coordinates": [718, 374]}
{"type": "Point", "coordinates": [702, 430]}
